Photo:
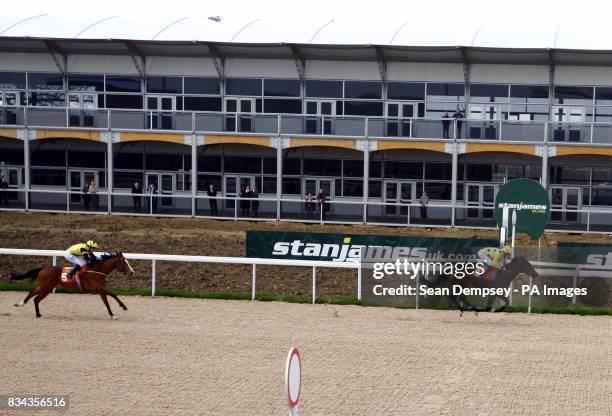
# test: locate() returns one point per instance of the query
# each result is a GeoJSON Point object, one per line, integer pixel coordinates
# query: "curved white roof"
{"type": "Point", "coordinates": [535, 33]}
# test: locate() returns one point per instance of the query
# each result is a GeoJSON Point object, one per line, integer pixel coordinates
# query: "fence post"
{"type": "Point", "coordinates": [253, 280]}
{"type": "Point", "coordinates": [576, 272]}
{"type": "Point", "coordinates": [529, 297]}
{"type": "Point", "coordinates": [417, 290]}
{"type": "Point", "coordinates": [359, 280]}
{"type": "Point", "coordinates": [153, 276]}
{"type": "Point", "coordinates": [314, 284]}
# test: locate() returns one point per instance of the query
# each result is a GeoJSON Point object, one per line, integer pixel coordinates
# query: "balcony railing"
{"type": "Point", "coordinates": [303, 124]}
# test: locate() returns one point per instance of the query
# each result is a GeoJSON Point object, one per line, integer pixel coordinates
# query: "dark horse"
{"type": "Point", "coordinates": [518, 265]}
{"type": "Point", "coordinates": [92, 281]}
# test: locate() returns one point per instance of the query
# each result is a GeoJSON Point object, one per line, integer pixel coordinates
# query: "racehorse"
{"type": "Point", "coordinates": [91, 280]}
{"type": "Point", "coordinates": [518, 265]}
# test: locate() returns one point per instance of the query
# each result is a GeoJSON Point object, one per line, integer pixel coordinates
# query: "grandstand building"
{"type": "Point", "coordinates": [367, 124]}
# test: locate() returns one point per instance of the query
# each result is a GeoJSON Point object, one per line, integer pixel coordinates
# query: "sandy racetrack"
{"type": "Point", "coordinates": [211, 357]}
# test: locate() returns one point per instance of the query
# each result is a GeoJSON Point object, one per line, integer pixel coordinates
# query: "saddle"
{"type": "Point", "coordinates": [77, 275]}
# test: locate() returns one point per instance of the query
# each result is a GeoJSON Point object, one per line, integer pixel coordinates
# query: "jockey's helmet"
{"type": "Point", "coordinates": [92, 244]}
{"type": "Point", "coordinates": [507, 250]}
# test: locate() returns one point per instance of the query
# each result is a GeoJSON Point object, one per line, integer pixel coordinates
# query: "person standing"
{"type": "Point", "coordinates": [255, 202]}
{"type": "Point", "coordinates": [137, 197]}
{"type": "Point", "coordinates": [93, 194]}
{"type": "Point", "coordinates": [424, 201]}
{"type": "Point", "coordinates": [445, 125]}
{"type": "Point", "coordinates": [212, 201]}
{"type": "Point", "coordinates": [458, 116]}
{"type": "Point", "coordinates": [245, 204]}
{"type": "Point", "coordinates": [310, 205]}
{"type": "Point", "coordinates": [152, 196]}
{"type": "Point", "coordinates": [321, 199]}
{"type": "Point", "coordinates": [86, 197]}
{"type": "Point", "coordinates": [3, 191]}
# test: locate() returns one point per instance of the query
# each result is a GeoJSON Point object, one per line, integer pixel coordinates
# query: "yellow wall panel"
{"type": "Point", "coordinates": [302, 142]}
{"type": "Point", "coordinates": [226, 139]}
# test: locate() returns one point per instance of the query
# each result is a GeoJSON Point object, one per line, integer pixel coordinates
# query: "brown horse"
{"type": "Point", "coordinates": [91, 281]}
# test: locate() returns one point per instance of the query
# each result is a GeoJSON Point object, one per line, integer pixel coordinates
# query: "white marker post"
{"type": "Point", "coordinates": [513, 243]}
{"type": "Point", "coordinates": [293, 380]}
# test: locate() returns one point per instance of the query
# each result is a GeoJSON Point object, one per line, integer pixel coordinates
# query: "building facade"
{"type": "Point", "coordinates": [371, 127]}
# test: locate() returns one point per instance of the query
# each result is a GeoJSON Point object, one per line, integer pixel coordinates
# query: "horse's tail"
{"type": "Point", "coordinates": [32, 274]}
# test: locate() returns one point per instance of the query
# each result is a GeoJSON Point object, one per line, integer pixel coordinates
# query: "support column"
{"type": "Point", "coordinates": [455, 168]}
{"type": "Point", "coordinates": [26, 167]}
{"type": "Point", "coordinates": [366, 177]}
{"type": "Point", "coordinates": [279, 175]}
{"type": "Point", "coordinates": [109, 171]}
{"type": "Point", "coordinates": [194, 173]}
{"type": "Point", "coordinates": [545, 166]}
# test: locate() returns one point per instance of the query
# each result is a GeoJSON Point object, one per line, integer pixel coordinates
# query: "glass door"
{"type": "Point", "coordinates": [565, 201]}
{"type": "Point", "coordinates": [482, 198]}
{"type": "Point", "coordinates": [315, 185]}
{"type": "Point", "coordinates": [12, 176]}
{"type": "Point", "coordinates": [77, 181]}
{"type": "Point", "coordinates": [398, 121]}
{"type": "Point", "coordinates": [161, 111]}
{"type": "Point", "coordinates": [81, 112]}
{"type": "Point", "coordinates": [565, 130]}
{"type": "Point", "coordinates": [482, 121]}
{"type": "Point", "coordinates": [399, 192]}
{"type": "Point", "coordinates": [167, 189]}
{"type": "Point", "coordinates": [320, 116]}
{"type": "Point", "coordinates": [242, 119]}
{"type": "Point", "coordinates": [234, 185]}
{"type": "Point", "coordinates": [8, 107]}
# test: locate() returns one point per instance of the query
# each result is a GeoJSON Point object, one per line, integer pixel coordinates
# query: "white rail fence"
{"type": "Point", "coordinates": [543, 268]}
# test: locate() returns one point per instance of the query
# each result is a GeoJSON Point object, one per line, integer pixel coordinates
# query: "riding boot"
{"type": "Point", "coordinates": [73, 271]}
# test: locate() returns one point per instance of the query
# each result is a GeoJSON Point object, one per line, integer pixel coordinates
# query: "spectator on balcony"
{"type": "Point", "coordinates": [3, 191]}
{"type": "Point", "coordinates": [424, 201]}
{"type": "Point", "coordinates": [255, 202]}
{"type": "Point", "coordinates": [459, 116]}
{"type": "Point", "coordinates": [93, 195]}
{"type": "Point", "coordinates": [446, 120]}
{"type": "Point", "coordinates": [310, 205]}
{"type": "Point", "coordinates": [212, 202]}
{"type": "Point", "coordinates": [245, 204]}
{"type": "Point", "coordinates": [137, 197]}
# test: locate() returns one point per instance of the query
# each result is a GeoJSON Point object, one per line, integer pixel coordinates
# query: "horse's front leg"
{"type": "Point", "coordinates": [108, 308]}
{"type": "Point", "coordinates": [506, 302]}
{"type": "Point", "coordinates": [111, 294]}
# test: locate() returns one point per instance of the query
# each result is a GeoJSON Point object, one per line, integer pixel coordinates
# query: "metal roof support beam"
{"type": "Point", "coordinates": [300, 62]}
{"type": "Point", "coordinates": [136, 53]}
{"type": "Point", "coordinates": [382, 64]}
{"type": "Point", "coordinates": [466, 75]}
{"type": "Point", "coordinates": [59, 56]}
{"type": "Point", "coordinates": [218, 60]}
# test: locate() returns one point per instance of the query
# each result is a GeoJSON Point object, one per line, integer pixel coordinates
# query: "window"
{"type": "Point", "coordinates": [126, 179]}
{"type": "Point", "coordinates": [282, 88]}
{"type": "Point", "coordinates": [492, 92]}
{"type": "Point", "coordinates": [195, 85]}
{"type": "Point", "coordinates": [569, 175]}
{"type": "Point", "coordinates": [324, 89]}
{"type": "Point", "coordinates": [438, 171]}
{"type": "Point", "coordinates": [209, 163]}
{"type": "Point", "coordinates": [48, 158]}
{"type": "Point", "coordinates": [243, 86]}
{"type": "Point", "coordinates": [202, 103]}
{"type": "Point", "coordinates": [375, 169]}
{"type": "Point", "coordinates": [445, 91]}
{"type": "Point", "coordinates": [269, 165]}
{"type": "Point", "coordinates": [529, 93]}
{"type": "Point", "coordinates": [204, 182]}
{"type": "Point", "coordinates": [603, 95]}
{"type": "Point", "coordinates": [12, 80]}
{"type": "Point", "coordinates": [86, 159]}
{"type": "Point", "coordinates": [438, 190]}
{"type": "Point", "coordinates": [352, 187]}
{"type": "Point", "coordinates": [86, 83]}
{"type": "Point", "coordinates": [121, 83]}
{"type": "Point", "coordinates": [124, 101]}
{"type": "Point", "coordinates": [322, 167]}
{"type": "Point", "coordinates": [362, 89]}
{"type": "Point", "coordinates": [172, 162]}
{"type": "Point", "coordinates": [602, 176]}
{"type": "Point", "coordinates": [281, 106]}
{"type": "Point", "coordinates": [404, 170]}
{"type": "Point", "coordinates": [173, 85]}
{"type": "Point", "coordinates": [269, 185]}
{"type": "Point", "coordinates": [292, 166]}
{"type": "Point", "coordinates": [11, 157]}
{"type": "Point", "coordinates": [573, 95]}
{"type": "Point", "coordinates": [47, 99]}
{"type": "Point", "coordinates": [479, 172]}
{"type": "Point", "coordinates": [352, 168]}
{"type": "Point", "coordinates": [292, 186]}
{"type": "Point", "coordinates": [363, 108]}
{"type": "Point", "coordinates": [242, 164]}
{"type": "Point", "coordinates": [601, 196]}
{"type": "Point", "coordinates": [374, 189]}
{"type": "Point", "coordinates": [49, 177]}
{"type": "Point", "coordinates": [405, 91]}
{"type": "Point", "coordinates": [128, 161]}
{"type": "Point", "coordinates": [45, 81]}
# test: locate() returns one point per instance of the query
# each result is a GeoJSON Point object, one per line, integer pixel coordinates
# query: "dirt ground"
{"type": "Point", "coordinates": [212, 357]}
{"type": "Point", "coordinates": [200, 237]}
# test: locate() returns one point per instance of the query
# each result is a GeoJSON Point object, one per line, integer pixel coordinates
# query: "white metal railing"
{"type": "Point", "coordinates": [154, 258]}
{"type": "Point", "coordinates": [543, 268]}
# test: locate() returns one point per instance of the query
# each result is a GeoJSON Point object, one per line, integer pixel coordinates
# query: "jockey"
{"type": "Point", "coordinates": [494, 258]}
{"type": "Point", "coordinates": [79, 255]}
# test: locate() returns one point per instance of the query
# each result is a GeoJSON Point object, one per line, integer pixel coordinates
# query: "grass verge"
{"type": "Point", "coordinates": [270, 297]}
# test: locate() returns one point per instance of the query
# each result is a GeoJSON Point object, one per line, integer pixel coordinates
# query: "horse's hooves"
{"type": "Point", "coordinates": [39, 316]}
{"type": "Point", "coordinates": [124, 308]}
{"type": "Point", "coordinates": [19, 305]}
{"type": "Point", "coordinates": [114, 318]}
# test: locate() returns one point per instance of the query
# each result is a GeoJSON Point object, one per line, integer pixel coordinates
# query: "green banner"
{"type": "Point", "coordinates": [530, 201]}
{"type": "Point", "coordinates": [347, 247]}
{"type": "Point", "coordinates": [593, 254]}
